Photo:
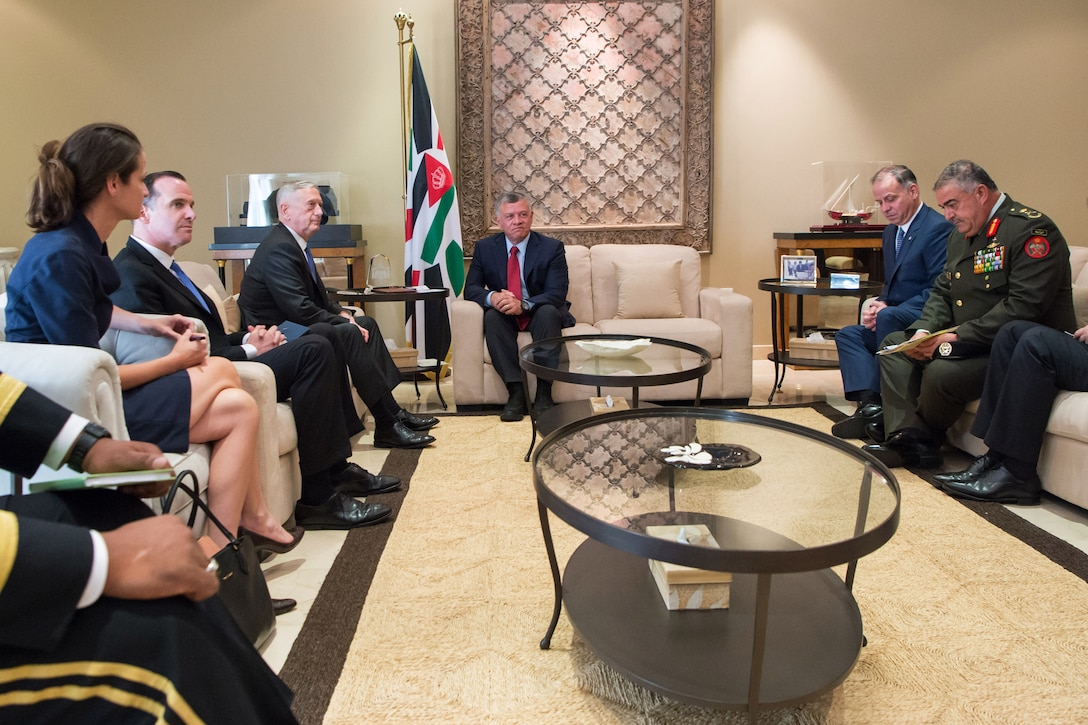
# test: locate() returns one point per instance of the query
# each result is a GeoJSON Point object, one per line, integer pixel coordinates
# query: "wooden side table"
{"type": "Point", "coordinates": [780, 325]}
{"type": "Point", "coordinates": [362, 297]}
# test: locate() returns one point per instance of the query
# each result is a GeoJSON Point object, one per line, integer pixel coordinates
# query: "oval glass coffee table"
{"type": "Point", "coordinates": [606, 361]}
{"type": "Point", "coordinates": [796, 503]}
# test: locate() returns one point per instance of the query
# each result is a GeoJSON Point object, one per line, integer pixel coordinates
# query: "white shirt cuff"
{"type": "Point", "coordinates": [100, 567]}
{"type": "Point", "coordinates": [65, 440]}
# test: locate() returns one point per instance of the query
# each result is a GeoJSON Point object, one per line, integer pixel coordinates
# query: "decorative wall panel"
{"type": "Point", "coordinates": [599, 111]}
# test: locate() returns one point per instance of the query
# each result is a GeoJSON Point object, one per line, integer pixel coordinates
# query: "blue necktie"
{"type": "Point", "coordinates": [184, 279]}
{"type": "Point", "coordinates": [899, 240]}
{"type": "Point", "coordinates": [310, 262]}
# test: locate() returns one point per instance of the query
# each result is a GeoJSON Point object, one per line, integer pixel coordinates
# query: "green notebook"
{"type": "Point", "coordinates": [102, 480]}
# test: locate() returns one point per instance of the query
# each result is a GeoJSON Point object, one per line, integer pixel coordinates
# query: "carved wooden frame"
{"type": "Point", "coordinates": [474, 173]}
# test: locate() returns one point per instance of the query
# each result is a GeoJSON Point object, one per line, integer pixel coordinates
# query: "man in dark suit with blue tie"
{"type": "Point", "coordinates": [520, 279]}
{"type": "Point", "coordinates": [281, 283]}
{"type": "Point", "coordinates": [307, 370]}
{"type": "Point", "coordinates": [914, 244]}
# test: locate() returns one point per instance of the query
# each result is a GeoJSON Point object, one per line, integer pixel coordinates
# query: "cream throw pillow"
{"type": "Point", "coordinates": [229, 314]}
{"type": "Point", "coordinates": [648, 290]}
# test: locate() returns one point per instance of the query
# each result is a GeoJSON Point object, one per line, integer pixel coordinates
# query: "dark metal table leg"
{"type": "Point", "coordinates": [759, 644]}
{"type": "Point", "coordinates": [545, 528]}
{"type": "Point", "coordinates": [777, 336]}
{"type": "Point", "coordinates": [532, 412]}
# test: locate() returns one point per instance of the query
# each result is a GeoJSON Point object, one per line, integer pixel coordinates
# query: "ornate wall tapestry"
{"type": "Point", "coordinates": [599, 111]}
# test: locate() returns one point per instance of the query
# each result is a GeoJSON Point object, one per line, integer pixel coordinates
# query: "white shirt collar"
{"type": "Point", "coordinates": [164, 259]}
{"type": "Point", "coordinates": [301, 242]}
{"type": "Point", "coordinates": [906, 227]}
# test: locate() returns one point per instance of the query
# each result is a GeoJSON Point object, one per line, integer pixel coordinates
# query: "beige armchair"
{"type": "Point", "coordinates": [86, 381]}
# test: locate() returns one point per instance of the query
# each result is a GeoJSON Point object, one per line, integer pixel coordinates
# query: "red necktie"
{"type": "Point", "coordinates": [513, 283]}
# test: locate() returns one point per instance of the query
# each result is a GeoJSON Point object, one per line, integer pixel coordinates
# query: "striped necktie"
{"type": "Point", "coordinates": [184, 279]}
{"type": "Point", "coordinates": [899, 241]}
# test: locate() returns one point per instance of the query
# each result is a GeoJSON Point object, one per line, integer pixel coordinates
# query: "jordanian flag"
{"type": "Point", "coordinates": [433, 252]}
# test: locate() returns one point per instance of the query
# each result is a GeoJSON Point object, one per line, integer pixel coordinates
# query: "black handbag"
{"type": "Point", "coordinates": [242, 586]}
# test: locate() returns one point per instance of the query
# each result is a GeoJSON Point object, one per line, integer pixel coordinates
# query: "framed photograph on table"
{"type": "Point", "coordinates": [798, 269]}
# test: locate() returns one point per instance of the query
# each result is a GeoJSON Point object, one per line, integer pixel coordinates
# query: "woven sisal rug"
{"type": "Point", "coordinates": [965, 622]}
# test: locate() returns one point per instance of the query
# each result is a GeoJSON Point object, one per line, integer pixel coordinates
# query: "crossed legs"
{"type": "Point", "coordinates": [225, 415]}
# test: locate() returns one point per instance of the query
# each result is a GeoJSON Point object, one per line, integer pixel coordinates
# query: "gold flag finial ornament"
{"type": "Point", "coordinates": [403, 19]}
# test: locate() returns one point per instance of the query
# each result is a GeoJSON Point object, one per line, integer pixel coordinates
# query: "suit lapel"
{"type": "Point", "coordinates": [187, 304]}
{"type": "Point", "coordinates": [318, 294]}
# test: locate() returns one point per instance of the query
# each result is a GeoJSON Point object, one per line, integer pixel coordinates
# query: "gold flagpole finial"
{"type": "Point", "coordinates": [403, 19]}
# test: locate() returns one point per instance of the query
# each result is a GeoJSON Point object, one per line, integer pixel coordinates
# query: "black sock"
{"type": "Point", "coordinates": [316, 489]}
{"type": "Point", "coordinates": [385, 411]}
{"type": "Point", "coordinates": [514, 389]}
{"type": "Point", "coordinates": [1021, 469]}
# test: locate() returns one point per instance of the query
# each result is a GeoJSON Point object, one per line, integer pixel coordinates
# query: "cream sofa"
{"type": "Point", "coordinates": [1063, 462]}
{"type": "Point", "coordinates": [638, 276]}
{"type": "Point", "coordinates": [86, 381]}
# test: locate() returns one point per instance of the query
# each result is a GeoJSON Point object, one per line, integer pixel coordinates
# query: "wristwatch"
{"type": "Point", "coordinates": [91, 434]}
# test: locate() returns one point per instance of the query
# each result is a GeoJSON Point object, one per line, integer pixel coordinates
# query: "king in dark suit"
{"type": "Point", "coordinates": [282, 283]}
{"type": "Point", "coordinates": [914, 246]}
{"type": "Point", "coordinates": [520, 279]}
{"type": "Point", "coordinates": [306, 369]}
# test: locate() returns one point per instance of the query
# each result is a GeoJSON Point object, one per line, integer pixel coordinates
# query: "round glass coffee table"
{"type": "Point", "coordinates": [606, 361]}
{"type": "Point", "coordinates": [780, 504]}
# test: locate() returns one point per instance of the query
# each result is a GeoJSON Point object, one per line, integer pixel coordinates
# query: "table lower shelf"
{"type": "Point", "coordinates": [814, 632]}
{"type": "Point", "coordinates": [784, 358]}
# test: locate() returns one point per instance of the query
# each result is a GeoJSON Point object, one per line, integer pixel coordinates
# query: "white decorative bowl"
{"type": "Point", "coordinates": [614, 348]}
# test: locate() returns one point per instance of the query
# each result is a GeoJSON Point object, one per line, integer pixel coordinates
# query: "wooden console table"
{"type": "Point", "coordinates": [238, 244]}
{"type": "Point", "coordinates": [866, 245]}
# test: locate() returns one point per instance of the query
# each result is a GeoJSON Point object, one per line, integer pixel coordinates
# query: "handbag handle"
{"type": "Point", "coordinates": [198, 502]}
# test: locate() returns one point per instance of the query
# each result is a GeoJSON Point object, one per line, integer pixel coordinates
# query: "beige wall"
{"type": "Point", "coordinates": [262, 86]}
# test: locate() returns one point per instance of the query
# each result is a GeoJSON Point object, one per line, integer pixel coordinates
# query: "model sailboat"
{"type": "Point", "coordinates": [841, 207]}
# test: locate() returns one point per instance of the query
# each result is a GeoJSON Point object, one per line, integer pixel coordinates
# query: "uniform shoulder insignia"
{"type": "Point", "coordinates": [1025, 212]}
{"type": "Point", "coordinates": [1038, 232]}
{"type": "Point", "coordinates": [1037, 247]}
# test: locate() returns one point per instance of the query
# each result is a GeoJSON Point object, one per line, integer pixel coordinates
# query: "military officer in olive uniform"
{"type": "Point", "coordinates": [1005, 262]}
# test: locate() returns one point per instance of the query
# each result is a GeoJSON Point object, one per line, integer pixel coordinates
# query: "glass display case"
{"type": "Point", "coordinates": [251, 198]}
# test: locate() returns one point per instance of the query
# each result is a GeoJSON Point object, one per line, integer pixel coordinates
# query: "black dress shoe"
{"type": "Point", "coordinates": [266, 547]}
{"type": "Point", "coordinates": [987, 461]}
{"type": "Point", "coordinates": [875, 431]}
{"type": "Point", "coordinates": [416, 422]}
{"type": "Point", "coordinates": [906, 448]}
{"type": "Point", "coordinates": [283, 606]}
{"type": "Point", "coordinates": [854, 426]}
{"type": "Point", "coordinates": [998, 485]}
{"type": "Point", "coordinates": [515, 409]}
{"type": "Point", "coordinates": [340, 512]}
{"type": "Point", "coordinates": [357, 481]}
{"type": "Point", "coordinates": [399, 436]}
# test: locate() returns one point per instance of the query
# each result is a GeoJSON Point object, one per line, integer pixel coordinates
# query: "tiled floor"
{"type": "Point", "coordinates": [300, 573]}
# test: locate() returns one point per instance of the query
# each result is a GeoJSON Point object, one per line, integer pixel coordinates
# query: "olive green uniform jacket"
{"type": "Point", "coordinates": [1015, 268]}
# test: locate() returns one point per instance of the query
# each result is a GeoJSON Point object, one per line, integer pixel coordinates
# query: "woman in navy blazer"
{"type": "Point", "coordinates": [59, 293]}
